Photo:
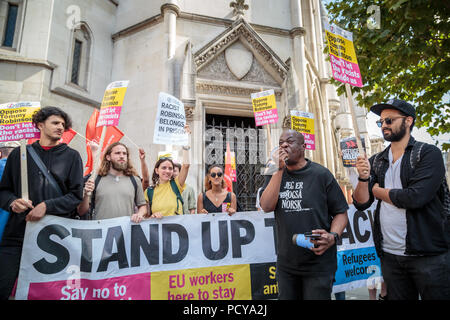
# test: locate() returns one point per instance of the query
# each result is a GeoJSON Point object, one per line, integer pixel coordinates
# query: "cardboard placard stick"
{"type": "Point", "coordinates": [355, 123]}
{"type": "Point", "coordinates": [24, 169]}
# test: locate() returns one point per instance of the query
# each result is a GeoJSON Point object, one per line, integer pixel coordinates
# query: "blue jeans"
{"type": "Point", "coordinates": [295, 287]}
{"type": "Point", "coordinates": [407, 277]}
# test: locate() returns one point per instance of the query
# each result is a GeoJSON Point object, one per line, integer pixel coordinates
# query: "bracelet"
{"type": "Point", "coordinates": [363, 180]}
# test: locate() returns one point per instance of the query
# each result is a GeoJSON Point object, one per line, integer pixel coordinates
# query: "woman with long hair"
{"type": "Point", "coordinates": [164, 192]}
{"type": "Point", "coordinates": [216, 198]}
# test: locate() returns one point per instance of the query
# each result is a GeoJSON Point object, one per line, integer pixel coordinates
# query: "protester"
{"type": "Point", "coordinates": [5, 150]}
{"type": "Point", "coordinates": [63, 165]}
{"type": "Point", "coordinates": [164, 194]}
{"type": "Point", "coordinates": [305, 197]}
{"type": "Point", "coordinates": [188, 195]}
{"type": "Point", "coordinates": [216, 198]}
{"type": "Point", "coordinates": [116, 190]}
{"type": "Point", "coordinates": [409, 217]}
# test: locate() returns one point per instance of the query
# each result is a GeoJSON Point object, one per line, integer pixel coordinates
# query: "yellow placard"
{"type": "Point", "coordinates": [341, 47]}
{"type": "Point", "coordinates": [211, 283]}
{"type": "Point", "coordinates": [113, 97]}
{"type": "Point", "coordinates": [17, 115]}
{"type": "Point", "coordinates": [303, 125]}
{"type": "Point", "coordinates": [264, 103]}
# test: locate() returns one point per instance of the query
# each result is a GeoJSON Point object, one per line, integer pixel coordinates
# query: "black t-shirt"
{"type": "Point", "coordinates": [309, 198]}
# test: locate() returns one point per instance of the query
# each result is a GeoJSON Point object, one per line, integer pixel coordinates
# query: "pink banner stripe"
{"type": "Point", "coordinates": [132, 287]}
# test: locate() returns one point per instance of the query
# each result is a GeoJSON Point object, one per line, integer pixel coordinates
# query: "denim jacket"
{"type": "Point", "coordinates": [419, 196]}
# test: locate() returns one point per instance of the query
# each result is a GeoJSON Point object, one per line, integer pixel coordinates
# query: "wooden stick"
{"type": "Point", "coordinates": [355, 123]}
{"type": "Point", "coordinates": [24, 169]}
{"type": "Point", "coordinates": [97, 158]}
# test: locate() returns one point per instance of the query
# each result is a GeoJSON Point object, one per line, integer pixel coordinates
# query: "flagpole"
{"type": "Point", "coordinates": [355, 122]}
{"type": "Point", "coordinates": [97, 158]}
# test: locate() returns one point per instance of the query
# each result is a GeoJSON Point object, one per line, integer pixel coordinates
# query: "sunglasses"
{"type": "Point", "coordinates": [387, 120]}
{"type": "Point", "coordinates": [213, 175]}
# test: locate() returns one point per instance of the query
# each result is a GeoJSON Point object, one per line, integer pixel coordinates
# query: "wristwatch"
{"type": "Point", "coordinates": [186, 148]}
{"type": "Point", "coordinates": [363, 180]}
{"type": "Point", "coordinates": [336, 236]}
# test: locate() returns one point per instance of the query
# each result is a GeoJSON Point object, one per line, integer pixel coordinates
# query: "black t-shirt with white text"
{"type": "Point", "coordinates": [309, 198]}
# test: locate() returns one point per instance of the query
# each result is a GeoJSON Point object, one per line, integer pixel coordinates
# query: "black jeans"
{"type": "Point", "coordinates": [407, 277]}
{"type": "Point", "coordinates": [296, 287]}
{"type": "Point", "coordinates": [9, 269]}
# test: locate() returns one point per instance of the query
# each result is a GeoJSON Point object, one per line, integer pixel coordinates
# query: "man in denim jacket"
{"type": "Point", "coordinates": [409, 218]}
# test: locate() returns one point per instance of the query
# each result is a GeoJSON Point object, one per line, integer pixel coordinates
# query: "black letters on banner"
{"type": "Point", "coordinates": [223, 241]}
{"type": "Point", "coordinates": [86, 236]}
{"type": "Point", "coordinates": [168, 255]}
{"type": "Point", "coordinates": [59, 251]}
{"type": "Point", "coordinates": [238, 240]}
{"type": "Point", "coordinates": [139, 241]}
{"type": "Point", "coordinates": [114, 234]}
{"type": "Point", "coordinates": [361, 238]}
{"type": "Point", "coordinates": [270, 222]}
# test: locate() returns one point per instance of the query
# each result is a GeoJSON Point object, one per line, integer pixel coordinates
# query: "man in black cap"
{"type": "Point", "coordinates": [409, 234]}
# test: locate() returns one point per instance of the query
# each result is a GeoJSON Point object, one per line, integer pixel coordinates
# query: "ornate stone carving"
{"type": "Point", "coordinates": [209, 88]}
{"type": "Point", "coordinates": [287, 122]}
{"type": "Point", "coordinates": [239, 7]}
{"type": "Point", "coordinates": [240, 30]}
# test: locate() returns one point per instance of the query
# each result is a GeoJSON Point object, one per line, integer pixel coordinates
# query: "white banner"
{"type": "Point", "coordinates": [205, 257]}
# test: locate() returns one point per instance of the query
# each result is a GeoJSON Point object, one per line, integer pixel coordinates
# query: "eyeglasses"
{"type": "Point", "coordinates": [213, 175]}
{"type": "Point", "coordinates": [387, 120]}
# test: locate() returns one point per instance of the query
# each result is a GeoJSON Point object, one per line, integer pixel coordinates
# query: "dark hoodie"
{"type": "Point", "coordinates": [64, 163]}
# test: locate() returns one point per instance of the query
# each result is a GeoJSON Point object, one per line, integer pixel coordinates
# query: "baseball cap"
{"type": "Point", "coordinates": [397, 104]}
{"type": "Point", "coordinates": [9, 144]}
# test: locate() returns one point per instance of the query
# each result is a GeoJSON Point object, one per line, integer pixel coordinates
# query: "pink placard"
{"type": "Point", "coordinates": [266, 117]}
{"type": "Point", "coordinates": [132, 287]}
{"type": "Point", "coordinates": [310, 141]}
{"type": "Point", "coordinates": [109, 116]}
{"type": "Point", "coordinates": [19, 131]}
{"type": "Point", "coordinates": [346, 72]}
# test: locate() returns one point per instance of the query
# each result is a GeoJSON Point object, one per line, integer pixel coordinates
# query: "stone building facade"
{"type": "Point", "coordinates": [210, 54]}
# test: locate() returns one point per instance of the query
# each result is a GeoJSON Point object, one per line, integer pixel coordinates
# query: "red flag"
{"type": "Point", "coordinates": [66, 137]}
{"type": "Point", "coordinates": [94, 133]}
{"type": "Point", "coordinates": [228, 169]}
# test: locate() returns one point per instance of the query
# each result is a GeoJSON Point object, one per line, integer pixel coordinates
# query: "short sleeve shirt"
{"type": "Point", "coordinates": [115, 196]}
{"type": "Point", "coordinates": [309, 198]}
{"type": "Point", "coordinates": [165, 200]}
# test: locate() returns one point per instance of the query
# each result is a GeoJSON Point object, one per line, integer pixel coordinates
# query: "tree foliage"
{"type": "Point", "coordinates": [405, 56]}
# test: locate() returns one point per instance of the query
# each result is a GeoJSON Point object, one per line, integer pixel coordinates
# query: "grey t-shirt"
{"type": "Point", "coordinates": [115, 197]}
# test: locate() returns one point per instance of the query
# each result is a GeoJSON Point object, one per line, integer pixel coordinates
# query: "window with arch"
{"type": "Point", "coordinates": [78, 70]}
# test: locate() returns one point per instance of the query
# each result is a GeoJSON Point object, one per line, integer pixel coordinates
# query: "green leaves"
{"type": "Point", "coordinates": [408, 57]}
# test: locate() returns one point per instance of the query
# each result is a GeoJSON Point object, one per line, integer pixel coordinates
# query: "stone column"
{"type": "Point", "coordinates": [170, 12]}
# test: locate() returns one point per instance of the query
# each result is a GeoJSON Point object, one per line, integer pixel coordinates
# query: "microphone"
{"type": "Point", "coordinates": [301, 241]}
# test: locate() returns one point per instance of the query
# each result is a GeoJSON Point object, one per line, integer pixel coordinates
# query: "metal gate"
{"type": "Point", "coordinates": [248, 143]}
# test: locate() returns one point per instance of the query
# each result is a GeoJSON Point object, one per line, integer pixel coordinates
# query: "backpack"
{"type": "Point", "coordinates": [91, 213]}
{"type": "Point", "coordinates": [443, 192]}
{"type": "Point", "coordinates": [173, 185]}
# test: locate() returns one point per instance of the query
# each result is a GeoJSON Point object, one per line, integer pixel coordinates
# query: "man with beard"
{"type": "Point", "coordinates": [61, 199]}
{"type": "Point", "coordinates": [117, 189]}
{"type": "Point", "coordinates": [305, 198]}
{"type": "Point", "coordinates": [409, 218]}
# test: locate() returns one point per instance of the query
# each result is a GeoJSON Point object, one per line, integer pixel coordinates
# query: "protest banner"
{"type": "Point", "coordinates": [16, 124]}
{"type": "Point", "coordinates": [304, 122]}
{"type": "Point", "coordinates": [344, 64]}
{"type": "Point", "coordinates": [264, 107]}
{"type": "Point", "coordinates": [112, 103]}
{"type": "Point", "coordinates": [358, 262]}
{"type": "Point", "coordinates": [344, 67]}
{"type": "Point", "coordinates": [170, 121]}
{"type": "Point", "coordinates": [15, 121]}
{"type": "Point", "coordinates": [207, 257]}
{"type": "Point", "coordinates": [350, 152]}
{"type": "Point", "coordinates": [201, 257]}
